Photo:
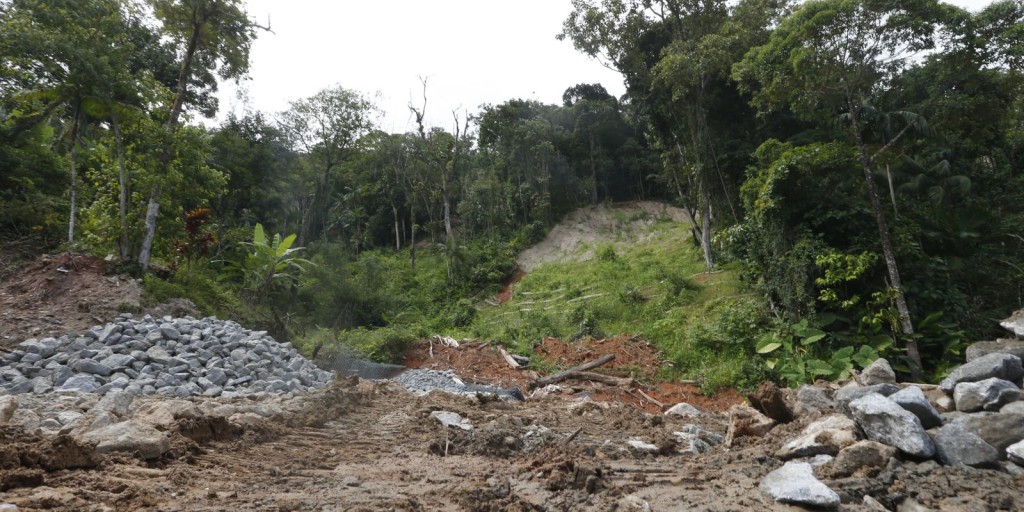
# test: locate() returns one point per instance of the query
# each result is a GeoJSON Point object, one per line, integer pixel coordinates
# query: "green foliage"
{"type": "Point", "coordinates": [199, 284]}
{"type": "Point", "coordinates": [801, 353]}
{"type": "Point", "coordinates": [268, 263]}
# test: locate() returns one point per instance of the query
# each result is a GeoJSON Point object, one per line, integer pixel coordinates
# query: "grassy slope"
{"type": "Point", "coordinates": [656, 287]}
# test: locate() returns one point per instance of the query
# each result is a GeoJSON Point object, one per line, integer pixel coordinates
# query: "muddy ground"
{"type": "Point", "coordinates": [374, 446]}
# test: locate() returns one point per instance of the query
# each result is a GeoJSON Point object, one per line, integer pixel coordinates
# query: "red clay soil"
{"type": "Point", "coordinates": [480, 363]}
{"type": "Point", "coordinates": [506, 290]}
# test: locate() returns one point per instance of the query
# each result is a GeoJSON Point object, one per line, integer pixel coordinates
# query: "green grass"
{"type": "Point", "coordinates": [659, 289]}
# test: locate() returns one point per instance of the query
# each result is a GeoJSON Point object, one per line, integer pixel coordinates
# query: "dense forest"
{"type": "Point", "coordinates": [859, 163]}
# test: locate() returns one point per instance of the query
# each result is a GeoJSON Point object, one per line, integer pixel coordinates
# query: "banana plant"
{"type": "Point", "coordinates": [267, 262]}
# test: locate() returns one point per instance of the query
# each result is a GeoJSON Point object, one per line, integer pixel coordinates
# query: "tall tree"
{"type": "Point", "coordinates": [831, 57]}
{"type": "Point", "coordinates": [213, 38]}
{"type": "Point", "coordinates": [326, 128]}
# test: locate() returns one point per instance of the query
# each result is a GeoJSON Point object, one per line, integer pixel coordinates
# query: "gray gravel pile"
{"type": "Point", "coordinates": [420, 382]}
{"type": "Point", "coordinates": [170, 356]}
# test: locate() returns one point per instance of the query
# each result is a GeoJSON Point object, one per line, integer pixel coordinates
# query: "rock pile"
{"type": "Point", "coordinates": [171, 356]}
{"type": "Point", "coordinates": [981, 426]}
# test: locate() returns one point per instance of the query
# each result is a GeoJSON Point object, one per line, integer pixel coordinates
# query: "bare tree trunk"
{"type": "Point", "coordinates": [152, 213]}
{"type": "Point", "coordinates": [412, 237]}
{"type": "Point", "coordinates": [887, 251]}
{"type": "Point", "coordinates": [122, 178]}
{"type": "Point", "coordinates": [705, 232]}
{"type": "Point", "coordinates": [892, 193]}
{"type": "Point", "coordinates": [74, 181]}
{"type": "Point", "coordinates": [398, 234]}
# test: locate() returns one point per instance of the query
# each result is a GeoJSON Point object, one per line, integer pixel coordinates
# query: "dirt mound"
{"type": "Point", "coordinates": [574, 238]}
{"type": "Point", "coordinates": [60, 294]}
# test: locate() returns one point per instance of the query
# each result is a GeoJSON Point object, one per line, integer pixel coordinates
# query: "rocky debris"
{"type": "Point", "coordinates": [1002, 366]}
{"type": "Point", "coordinates": [747, 421]}
{"type": "Point", "coordinates": [863, 456]}
{"type": "Point", "coordinates": [885, 421]}
{"type": "Point", "coordinates": [1000, 346]}
{"type": "Point", "coordinates": [878, 372]}
{"type": "Point", "coordinates": [683, 410]}
{"type": "Point", "coordinates": [912, 399]}
{"type": "Point", "coordinates": [171, 356]}
{"type": "Point", "coordinates": [1015, 324]}
{"type": "Point", "coordinates": [826, 436]}
{"type": "Point", "coordinates": [451, 419]}
{"type": "Point", "coordinates": [795, 483]}
{"type": "Point", "coordinates": [769, 400]}
{"type": "Point", "coordinates": [420, 382]}
{"type": "Point", "coordinates": [8, 404]}
{"type": "Point", "coordinates": [695, 440]}
{"type": "Point", "coordinates": [642, 446]}
{"type": "Point", "coordinates": [1001, 430]}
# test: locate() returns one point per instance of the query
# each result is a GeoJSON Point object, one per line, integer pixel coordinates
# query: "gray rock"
{"type": "Point", "coordinates": [795, 483]}
{"type": "Point", "coordinates": [826, 436]}
{"type": "Point", "coordinates": [956, 446]}
{"type": "Point", "coordinates": [683, 410]}
{"type": "Point", "coordinates": [813, 400]}
{"type": "Point", "coordinates": [1015, 452]}
{"type": "Point", "coordinates": [878, 372]}
{"type": "Point", "coordinates": [158, 355]}
{"type": "Point", "coordinates": [118, 361]}
{"type": "Point", "coordinates": [847, 394]}
{"type": "Point", "coordinates": [129, 436]}
{"type": "Point", "coordinates": [1005, 397]}
{"type": "Point", "coordinates": [974, 396]}
{"type": "Point", "coordinates": [80, 382]}
{"type": "Point", "coordinates": [912, 399]}
{"type": "Point", "coordinates": [1015, 324]}
{"type": "Point", "coordinates": [8, 404]}
{"type": "Point", "coordinates": [1013, 408]}
{"type": "Point", "coordinates": [93, 367]}
{"type": "Point", "coordinates": [862, 456]}
{"type": "Point", "coordinates": [1000, 430]}
{"type": "Point", "coordinates": [1002, 366]}
{"type": "Point", "coordinates": [116, 403]}
{"type": "Point", "coordinates": [884, 421]}
{"type": "Point", "coordinates": [217, 376]}
{"type": "Point", "coordinates": [1000, 346]}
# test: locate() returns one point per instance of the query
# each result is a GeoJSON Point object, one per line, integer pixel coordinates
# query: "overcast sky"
{"type": "Point", "coordinates": [471, 52]}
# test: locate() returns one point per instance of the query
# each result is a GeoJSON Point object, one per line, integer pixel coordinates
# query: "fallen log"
{"type": "Point", "coordinates": [508, 359]}
{"type": "Point", "coordinates": [559, 377]}
{"type": "Point", "coordinates": [650, 398]}
{"type": "Point", "coordinates": [605, 379]}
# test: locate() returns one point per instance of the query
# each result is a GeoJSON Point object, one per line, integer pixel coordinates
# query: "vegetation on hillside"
{"type": "Point", "coordinates": [856, 164]}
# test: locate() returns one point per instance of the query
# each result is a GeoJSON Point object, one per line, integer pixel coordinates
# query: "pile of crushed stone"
{"type": "Point", "coordinates": [171, 356]}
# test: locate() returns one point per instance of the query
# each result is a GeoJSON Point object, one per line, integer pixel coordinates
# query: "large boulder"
{"type": "Point", "coordinates": [878, 372]}
{"type": "Point", "coordinates": [129, 436]}
{"type": "Point", "coordinates": [912, 399]}
{"type": "Point", "coordinates": [795, 483]}
{"type": "Point", "coordinates": [885, 421]}
{"type": "Point", "coordinates": [956, 446]}
{"type": "Point", "coordinates": [975, 396]}
{"type": "Point", "coordinates": [1000, 346]}
{"type": "Point", "coordinates": [852, 392]}
{"type": "Point", "coordinates": [863, 456]}
{"type": "Point", "coordinates": [997, 429]}
{"type": "Point", "coordinates": [813, 400]}
{"type": "Point", "coordinates": [1001, 366]}
{"type": "Point", "coordinates": [746, 421]}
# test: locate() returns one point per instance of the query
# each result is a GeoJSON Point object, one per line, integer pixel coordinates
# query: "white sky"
{"type": "Point", "coordinates": [471, 52]}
